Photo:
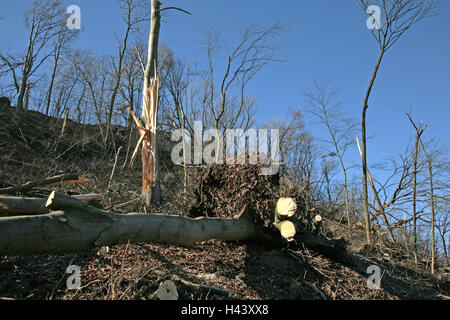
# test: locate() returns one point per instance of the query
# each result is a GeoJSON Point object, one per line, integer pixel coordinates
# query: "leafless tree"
{"type": "Point", "coordinates": [92, 73]}
{"type": "Point", "coordinates": [130, 91]}
{"type": "Point", "coordinates": [254, 50]}
{"type": "Point", "coordinates": [323, 104]}
{"type": "Point", "coordinates": [43, 22]}
{"type": "Point", "coordinates": [419, 131]}
{"type": "Point", "coordinates": [61, 44]}
{"type": "Point", "coordinates": [438, 191]}
{"type": "Point", "coordinates": [132, 18]}
{"type": "Point", "coordinates": [398, 17]}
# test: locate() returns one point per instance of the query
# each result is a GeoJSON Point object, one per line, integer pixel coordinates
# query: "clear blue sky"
{"type": "Point", "coordinates": [327, 40]}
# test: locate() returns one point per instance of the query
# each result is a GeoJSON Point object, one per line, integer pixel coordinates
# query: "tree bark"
{"type": "Point", "coordinates": [364, 147]}
{"type": "Point", "coordinates": [75, 226]}
{"type": "Point", "coordinates": [24, 205]}
{"type": "Point", "coordinates": [380, 205]}
{"type": "Point", "coordinates": [65, 178]}
{"type": "Point", "coordinates": [151, 192]}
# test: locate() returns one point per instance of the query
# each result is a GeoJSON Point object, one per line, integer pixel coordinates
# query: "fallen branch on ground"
{"type": "Point", "coordinates": [73, 225]}
{"type": "Point", "coordinates": [24, 205]}
{"type": "Point", "coordinates": [65, 178]}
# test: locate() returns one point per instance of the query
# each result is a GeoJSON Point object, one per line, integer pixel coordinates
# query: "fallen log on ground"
{"type": "Point", "coordinates": [74, 225]}
{"type": "Point", "coordinates": [25, 205]}
{"type": "Point", "coordinates": [335, 249]}
{"type": "Point", "coordinates": [284, 211]}
{"type": "Point", "coordinates": [65, 178]}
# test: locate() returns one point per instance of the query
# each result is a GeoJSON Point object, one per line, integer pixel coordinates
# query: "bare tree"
{"type": "Point", "coordinates": [131, 91]}
{"type": "Point", "coordinates": [432, 155]}
{"type": "Point", "coordinates": [92, 73]}
{"type": "Point", "coordinates": [61, 42]}
{"type": "Point", "coordinates": [245, 59]}
{"type": "Point", "coordinates": [433, 214]}
{"type": "Point", "coordinates": [43, 22]}
{"type": "Point", "coordinates": [419, 131]}
{"type": "Point", "coordinates": [179, 109]}
{"type": "Point", "coordinates": [399, 16]}
{"type": "Point", "coordinates": [131, 19]}
{"type": "Point", "coordinates": [323, 105]}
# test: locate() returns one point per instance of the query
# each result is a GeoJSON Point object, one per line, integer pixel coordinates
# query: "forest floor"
{"type": "Point", "coordinates": [33, 148]}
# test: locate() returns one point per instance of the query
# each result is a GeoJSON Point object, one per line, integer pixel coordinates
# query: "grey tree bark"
{"type": "Point", "coordinates": [73, 225]}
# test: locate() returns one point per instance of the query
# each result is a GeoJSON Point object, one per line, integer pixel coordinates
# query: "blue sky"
{"type": "Point", "coordinates": [326, 40]}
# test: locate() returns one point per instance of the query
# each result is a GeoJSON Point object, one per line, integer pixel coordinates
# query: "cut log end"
{"type": "Point", "coordinates": [287, 230]}
{"type": "Point", "coordinates": [286, 207]}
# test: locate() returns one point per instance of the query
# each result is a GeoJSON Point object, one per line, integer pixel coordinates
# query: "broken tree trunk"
{"type": "Point", "coordinates": [73, 225]}
{"type": "Point", "coordinates": [24, 205]}
{"type": "Point", "coordinates": [151, 190]}
{"type": "Point", "coordinates": [65, 178]}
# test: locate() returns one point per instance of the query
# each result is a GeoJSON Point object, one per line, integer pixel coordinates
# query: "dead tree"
{"type": "Point", "coordinates": [398, 16]}
{"type": "Point", "coordinates": [151, 189]}
{"type": "Point", "coordinates": [72, 225]}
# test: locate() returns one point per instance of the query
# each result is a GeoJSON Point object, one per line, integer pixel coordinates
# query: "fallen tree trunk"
{"type": "Point", "coordinates": [74, 226]}
{"type": "Point", "coordinates": [24, 205]}
{"type": "Point", "coordinates": [330, 248]}
{"type": "Point", "coordinates": [65, 178]}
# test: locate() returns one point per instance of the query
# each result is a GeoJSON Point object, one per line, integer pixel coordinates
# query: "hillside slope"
{"type": "Point", "coordinates": [33, 148]}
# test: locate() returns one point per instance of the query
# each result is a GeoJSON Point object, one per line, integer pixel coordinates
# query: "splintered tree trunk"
{"type": "Point", "coordinates": [150, 165]}
{"type": "Point", "coordinates": [148, 171]}
{"type": "Point", "coordinates": [147, 143]}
